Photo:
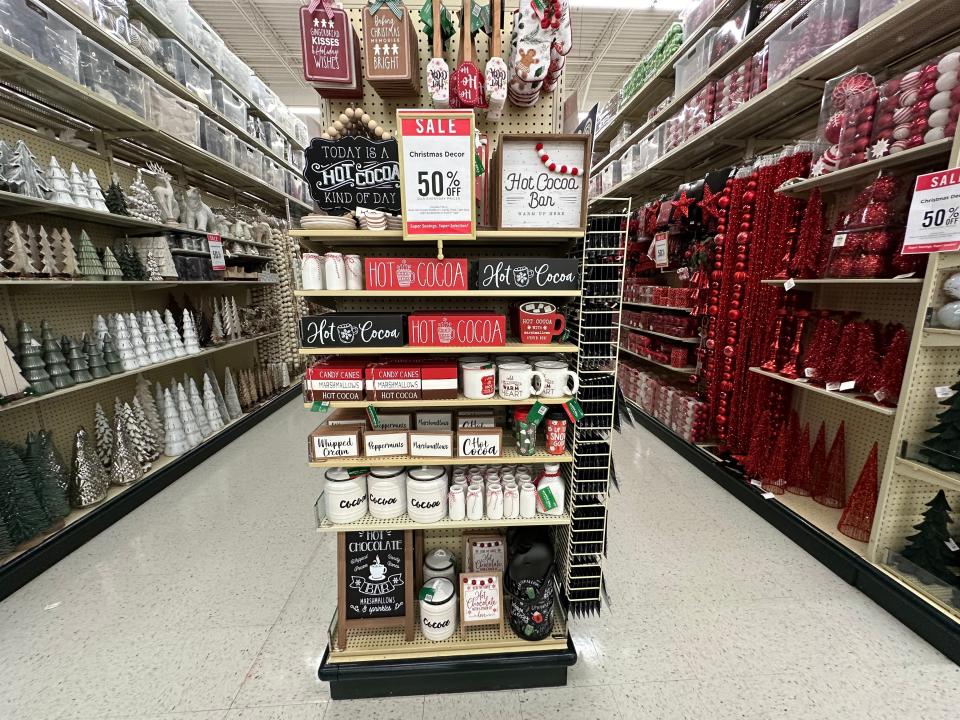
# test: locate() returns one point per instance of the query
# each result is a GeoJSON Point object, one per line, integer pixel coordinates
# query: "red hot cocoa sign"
{"type": "Point", "coordinates": [460, 330]}
{"type": "Point", "coordinates": [415, 274]}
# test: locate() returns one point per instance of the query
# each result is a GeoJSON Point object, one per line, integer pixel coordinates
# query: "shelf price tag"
{"type": "Point", "coordinates": [952, 544]}
{"type": "Point", "coordinates": [839, 240]}
{"type": "Point", "coordinates": [437, 173]}
{"type": "Point", "coordinates": [789, 285]}
{"type": "Point", "coordinates": [660, 249]}
{"type": "Point", "coordinates": [933, 224]}
{"type": "Point", "coordinates": [217, 259]}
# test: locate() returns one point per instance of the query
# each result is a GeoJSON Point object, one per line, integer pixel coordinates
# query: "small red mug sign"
{"type": "Point", "coordinates": [540, 323]}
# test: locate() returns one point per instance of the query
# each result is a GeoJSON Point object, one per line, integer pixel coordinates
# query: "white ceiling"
{"type": "Point", "coordinates": [265, 34]}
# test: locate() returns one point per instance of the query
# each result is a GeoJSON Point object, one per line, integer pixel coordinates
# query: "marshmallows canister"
{"type": "Point", "coordinates": [346, 496]}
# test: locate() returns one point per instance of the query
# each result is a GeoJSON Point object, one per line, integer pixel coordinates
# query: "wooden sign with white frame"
{"type": "Point", "coordinates": [481, 600]}
{"type": "Point", "coordinates": [431, 443]}
{"type": "Point", "coordinates": [534, 197]}
{"type": "Point", "coordinates": [480, 443]}
{"type": "Point", "coordinates": [436, 174]}
{"type": "Point", "coordinates": [384, 443]}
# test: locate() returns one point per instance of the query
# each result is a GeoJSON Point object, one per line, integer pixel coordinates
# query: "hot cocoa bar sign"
{"type": "Point", "coordinates": [375, 574]}
{"type": "Point", "coordinates": [354, 172]}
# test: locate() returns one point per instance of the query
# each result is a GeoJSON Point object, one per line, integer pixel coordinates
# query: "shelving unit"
{"type": "Point", "coordinates": [848, 281]}
{"type": "Point", "coordinates": [689, 340]}
{"type": "Point", "coordinates": [684, 370]}
{"type": "Point", "coordinates": [460, 401]}
{"type": "Point", "coordinates": [509, 455]}
{"type": "Point", "coordinates": [405, 523]}
{"type": "Point", "coordinates": [843, 397]}
{"type": "Point", "coordinates": [414, 294]}
{"type": "Point", "coordinates": [687, 310]}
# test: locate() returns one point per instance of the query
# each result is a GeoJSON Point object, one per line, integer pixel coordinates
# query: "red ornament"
{"type": "Point", "coordinates": [682, 205]}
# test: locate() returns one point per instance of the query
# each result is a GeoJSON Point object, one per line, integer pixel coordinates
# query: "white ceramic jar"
{"type": "Point", "coordinates": [439, 563]}
{"type": "Point", "coordinates": [387, 489]}
{"type": "Point", "coordinates": [311, 271]}
{"type": "Point", "coordinates": [438, 610]}
{"type": "Point", "coordinates": [346, 497]}
{"type": "Point", "coordinates": [427, 494]}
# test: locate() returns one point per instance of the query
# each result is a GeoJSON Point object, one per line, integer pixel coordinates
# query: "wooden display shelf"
{"type": "Point", "coordinates": [510, 455]}
{"type": "Point", "coordinates": [60, 284]}
{"type": "Point", "coordinates": [685, 370]}
{"type": "Point", "coordinates": [785, 108]}
{"type": "Point", "coordinates": [510, 347]}
{"type": "Point", "coordinates": [658, 307]}
{"type": "Point", "coordinates": [850, 281]}
{"type": "Point", "coordinates": [121, 122]}
{"type": "Point", "coordinates": [928, 474]}
{"type": "Point", "coordinates": [31, 399]}
{"type": "Point", "coordinates": [688, 340]}
{"type": "Point", "coordinates": [401, 295]}
{"type": "Point", "coordinates": [379, 644]}
{"type": "Point", "coordinates": [847, 178]}
{"type": "Point", "coordinates": [348, 236]}
{"type": "Point", "coordinates": [823, 518]}
{"type": "Point", "coordinates": [180, 230]}
{"type": "Point", "coordinates": [940, 337]}
{"type": "Point", "coordinates": [843, 397]}
{"type": "Point", "coordinates": [460, 401]}
{"type": "Point", "coordinates": [403, 522]}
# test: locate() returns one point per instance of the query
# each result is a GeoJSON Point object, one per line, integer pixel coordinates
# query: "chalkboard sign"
{"type": "Point", "coordinates": [354, 172]}
{"type": "Point", "coordinates": [375, 581]}
{"type": "Point", "coordinates": [526, 274]}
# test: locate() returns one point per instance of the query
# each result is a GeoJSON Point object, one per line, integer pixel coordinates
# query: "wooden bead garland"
{"type": "Point", "coordinates": [354, 121]}
{"type": "Point", "coordinates": [563, 169]}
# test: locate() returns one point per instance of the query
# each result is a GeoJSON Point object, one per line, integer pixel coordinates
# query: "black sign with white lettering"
{"type": "Point", "coordinates": [375, 572]}
{"type": "Point", "coordinates": [362, 330]}
{"type": "Point", "coordinates": [527, 274]}
{"type": "Point", "coordinates": [354, 172]}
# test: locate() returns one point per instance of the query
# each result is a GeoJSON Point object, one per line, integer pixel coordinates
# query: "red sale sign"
{"type": "Point", "coordinates": [933, 224]}
{"type": "Point", "coordinates": [436, 171]}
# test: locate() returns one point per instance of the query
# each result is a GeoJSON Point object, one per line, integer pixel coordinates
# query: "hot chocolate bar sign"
{"type": "Point", "coordinates": [354, 172]}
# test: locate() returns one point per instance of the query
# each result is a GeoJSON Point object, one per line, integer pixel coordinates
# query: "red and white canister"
{"type": "Point", "coordinates": [556, 433]}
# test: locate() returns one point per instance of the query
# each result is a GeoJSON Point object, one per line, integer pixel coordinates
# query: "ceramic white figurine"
{"type": "Point", "coordinates": [78, 188]}
{"type": "Point", "coordinates": [164, 195]}
{"type": "Point", "coordinates": [197, 215]}
{"type": "Point", "coordinates": [175, 439]}
{"type": "Point", "coordinates": [136, 338]}
{"type": "Point", "coordinates": [59, 185]}
{"type": "Point", "coordinates": [95, 192]}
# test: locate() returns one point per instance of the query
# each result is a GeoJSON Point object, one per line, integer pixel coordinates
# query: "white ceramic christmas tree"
{"type": "Point", "coordinates": [140, 200]}
{"type": "Point", "coordinates": [23, 173]}
{"type": "Point", "coordinates": [19, 259]}
{"type": "Point", "coordinates": [216, 329]}
{"type": "Point", "coordinates": [150, 410]}
{"type": "Point", "coordinates": [95, 192]}
{"type": "Point", "coordinates": [104, 436]}
{"type": "Point", "coordinates": [161, 413]}
{"type": "Point", "coordinates": [33, 246]}
{"type": "Point", "coordinates": [154, 352]}
{"type": "Point", "coordinates": [209, 376]}
{"type": "Point", "coordinates": [65, 253]}
{"type": "Point", "coordinates": [142, 447]}
{"type": "Point", "coordinates": [190, 424]}
{"type": "Point", "coordinates": [100, 329]}
{"type": "Point", "coordinates": [199, 412]}
{"type": "Point", "coordinates": [136, 337]}
{"type": "Point", "coordinates": [190, 343]}
{"type": "Point", "coordinates": [175, 439]}
{"type": "Point", "coordinates": [59, 185]}
{"type": "Point", "coordinates": [151, 443]}
{"type": "Point", "coordinates": [125, 468]}
{"type": "Point", "coordinates": [124, 345]}
{"type": "Point", "coordinates": [235, 319]}
{"type": "Point", "coordinates": [48, 262]}
{"type": "Point", "coordinates": [210, 406]}
{"type": "Point", "coordinates": [173, 335]}
{"type": "Point", "coordinates": [230, 396]}
{"type": "Point", "coordinates": [166, 350]}
{"type": "Point", "coordinates": [78, 188]}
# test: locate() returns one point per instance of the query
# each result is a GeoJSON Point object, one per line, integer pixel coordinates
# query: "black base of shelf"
{"type": "Point", "coordinates": [453, 674]}
{"type": "Point", "coordinates": [920, 616]}
{"type": "Point", "coordinates": [24, 568]}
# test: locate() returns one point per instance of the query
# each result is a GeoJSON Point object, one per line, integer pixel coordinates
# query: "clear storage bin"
{"type": "Point", "coordinates": [171, 12]}
{"type": "Point", "coordinates": [691, 66]}
{"type": "Point", "coordinates": [273, 174]}
{"type": "Point", "coordinates": [625, 131]}
{"type": "Point", "coordinates": [113, 17]}
{"type": "Point", "coordinates": [200, 37]}
{"type": "Point", "coordinates": [217, 140]}
{"type": "Point", "coordinates": [173, 115]}
{"type": "Point", "coordinates": [808, 33]}
{"type": "Point", "coordinates": [300, 132]}
{"type": "Point", "coordinates": [732, 32]}
{"type": "Point", "coordinates": [236, 71]}
{"type": "Point", "coordinates": [262, 96]}
{"type": "Point", "coordinates": [36, 31]}
{"type": "Point", "coordinates": [248, 158]}
{"type": "Point", "coordinates": [111, 78]}
{"type": "Point", "coordinates": [230, 105]}
{"type": "Point", "coordinates": [293, 185]}
{"type": "Point", "coordinates": [276, 141]}
{"type": "Point", "coordinates": [695, 14]}
{"type": "Point", "coordinates": [256, 129]}
{"type": "Point", "coordinates": [81, 6]}
{"type": "Point", "coordinates": [182, 65]}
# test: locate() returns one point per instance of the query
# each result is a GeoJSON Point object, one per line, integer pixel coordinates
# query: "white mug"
{"type": "Point", "coordinates": [518, 381]}
{"type": "Point", "coordinates": [556, 379]}
{"type": "Point", "coordinates": [335, 272]}
{"type": "Point", "coordinates": [510, 360]}
{"type": "Point", "coordinates": [479, 380]}
{"type": "Point", "coordinates": [457, 503]}
{"type": "Point", "coordinates": [354, 268]}
{"type": "Point", "coordinates": [311, 271]}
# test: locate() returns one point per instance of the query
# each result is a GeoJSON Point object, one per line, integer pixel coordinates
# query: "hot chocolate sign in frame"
{"type": "Point", "coordinates": [436, 173]}
{"type": "Point", "coordinates": [543, 194]}
{"type": "Point", "coordinates": [353, 172]}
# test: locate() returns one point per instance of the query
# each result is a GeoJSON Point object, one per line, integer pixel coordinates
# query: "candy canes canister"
{"type": "Point", "coordinates": [387, 492]}
{"type": "Point", "coordinates": [311, 271]}
{"type": "Point", "coordinates": [438, 609]}
{"type": "Point", "coordinates": [335, 272]}
{"type": "Point", "coordinates": [346, 495]}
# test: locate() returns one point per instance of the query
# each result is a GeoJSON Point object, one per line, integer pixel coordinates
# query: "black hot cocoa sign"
{"type": "Point", "coordinates": [354, 172]}
{"type": "Point", "coordinates": [527, 274]}
{"type": "Point", "coordinates": [344, 330]}
{"type": "Point", "coordinates": [375, 572]}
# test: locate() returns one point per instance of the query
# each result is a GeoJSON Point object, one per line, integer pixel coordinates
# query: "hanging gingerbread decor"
{"type": "Point", "coordinates": [330, 50]}
{"type": "Point", "coordinates": [391, 57]}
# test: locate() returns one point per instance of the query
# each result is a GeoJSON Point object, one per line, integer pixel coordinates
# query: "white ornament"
{"type": "Point", "coordinates": [951, 286]}
{"type": "Point", "coordinates": [949, 315]}
{"type": "Point", "coordinates": [880, 148]}
{"type": "Point", "coordinates": [950, 61]}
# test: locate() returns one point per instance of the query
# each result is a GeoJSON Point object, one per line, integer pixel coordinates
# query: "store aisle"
{"type": "Point", "coordinates": [211, 602]}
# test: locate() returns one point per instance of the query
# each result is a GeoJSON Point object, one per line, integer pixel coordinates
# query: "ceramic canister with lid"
{"type": "Point", "coordinates": [427, 494]}
{"type": "Point", "coordinates": [346, 495]}
{"type": "Point", "coordinates": [439, 563]}
{"type": "Point", "coordinates": [387, 487]}
{"type": "Point", "coordinates": [438, 609]}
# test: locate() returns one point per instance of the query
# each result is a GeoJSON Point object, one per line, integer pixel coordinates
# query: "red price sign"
{"type": "Point", "coordinates": [217, 259]}
{"type": "Point", "coordinates": [934, 221]}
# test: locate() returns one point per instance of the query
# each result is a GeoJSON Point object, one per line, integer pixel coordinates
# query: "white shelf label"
{"type": "Point", "coordinates": [952, 544]}
{"type": "Point", "coordinates": [943, 392]}
{"type": "Point", "coordinates": [768, 496]}
{"type": "Point", "coordinates": [809, 372]}
{"type": "Point", "coordinates": [789, 285]}
{"type": "Point", "coordinates": [756, 483]}
{"type": "Point", "coordinates": [848, 385]}
{"type": "Point", "coordinates": [839, 240]}
{"type": "Point", "coordinates": [833, 386]}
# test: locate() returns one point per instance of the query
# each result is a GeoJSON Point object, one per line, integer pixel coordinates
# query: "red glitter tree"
{"type": "Point", "coordinates": [831, 486]}
{"type": "Point", "coordinates": [824, 343]}
{"type": "Point", "coordinates": [866, 360]}
{"type": "Point", "coordinates": [839, 367]}
{"type": "Point", "coordinates": [759, 447]}
{"type": "Point", "coordinates": [890, 377]}
{"type": "Point", "coordinates": [818, 458]}
{"type": "Point", "coordinates": [799, 478]}
{"type": "Point", "coordinates": [774, 472]}
{"type": "Point", "coordinates": [857, 518]}
{"type": "Point", "coordinates": [804, 262]}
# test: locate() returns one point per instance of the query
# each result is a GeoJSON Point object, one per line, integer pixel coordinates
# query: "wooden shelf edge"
{"type": "Point", "coordinates": [408, 294]}
{"type": "Point", "coordinates": [424, 403]}
{"type": "Point", "coordinates": [880, 409]}
{"type": "Point", "coordinates": [394, 460]}
{"type": "Point", "coordinates": [348, 233]}
{"type": "Point", "coordinates": [444, 349]}
{"type": "Point", "coordinates": [405, 523]}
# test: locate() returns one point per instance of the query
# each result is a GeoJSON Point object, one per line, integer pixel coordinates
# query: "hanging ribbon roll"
{"type": "Point", "coordinates": [393, 5]}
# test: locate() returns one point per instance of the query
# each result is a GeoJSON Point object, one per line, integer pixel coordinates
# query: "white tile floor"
{"type": "Point", "coordinates": [211, 601]}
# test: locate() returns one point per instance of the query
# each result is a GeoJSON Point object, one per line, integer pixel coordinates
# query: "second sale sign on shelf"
{"type": "Point", "coordinates": [436, 173]}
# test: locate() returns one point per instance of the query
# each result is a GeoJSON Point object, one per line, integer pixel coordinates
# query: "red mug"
{"type": "Point", "coordinates": [539, 322]}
